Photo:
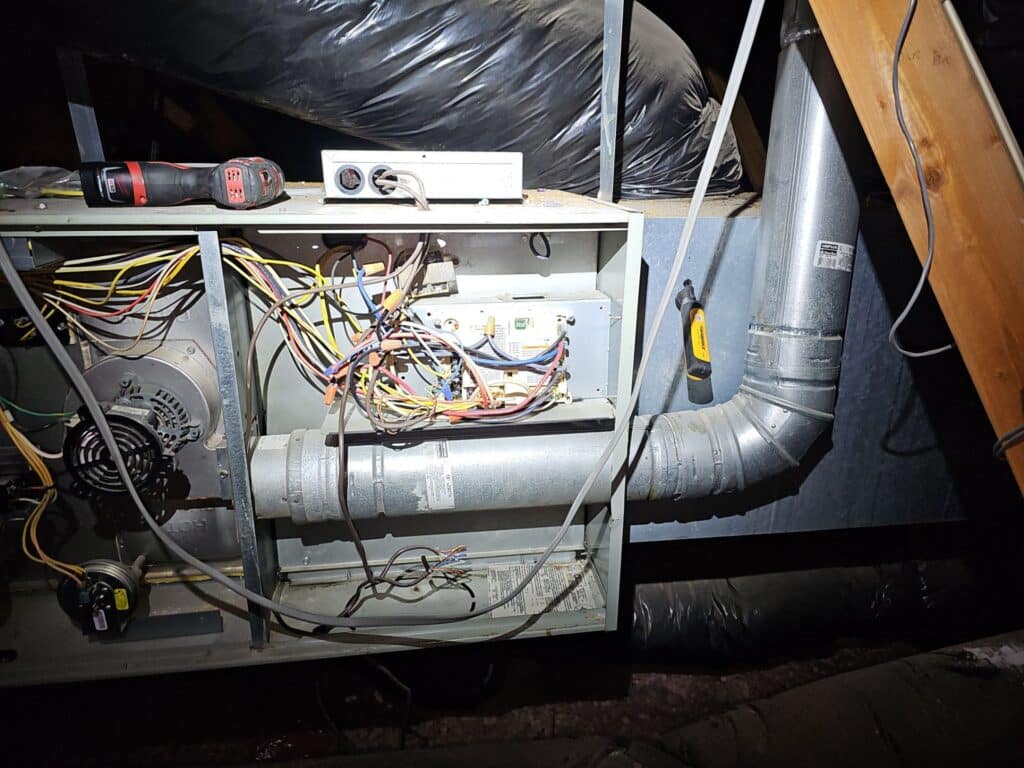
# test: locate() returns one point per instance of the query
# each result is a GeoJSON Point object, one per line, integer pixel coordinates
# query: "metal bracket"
{"type": "Point", "coordinates": [234, 429]}
{"type": "Point", "coordinates": [615, 39]}
{"type": "Point", "coordinates": [83, 116]}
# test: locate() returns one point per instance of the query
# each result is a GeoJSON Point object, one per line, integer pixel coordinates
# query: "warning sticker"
{"type": "Point", "coordinates": [829, 255]}
{"type": "Point", "coordinates": [121, 599]}
{"type": "Point", "coordinates": [440, 488]}
{"type": "Point", "coordinates": [574, 588]}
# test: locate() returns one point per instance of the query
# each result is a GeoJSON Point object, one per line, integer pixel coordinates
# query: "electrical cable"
{"type": "Point", "coordinates": [546, 253]}
{"type": "Point", "coordinates": [276, 306]}
{"type": "Point", "coordinates": [925, 199]}
{"type": "Point", "coordinates": [30, 544]}
{"type": "Point", "coordinates": [96, 412]}
{"type": "Point", "coordinates": [41, 414]}
{"type": "Point", "coordinates": [1005, 442]}
{"type": "Point", "coordinates": [420, 196]}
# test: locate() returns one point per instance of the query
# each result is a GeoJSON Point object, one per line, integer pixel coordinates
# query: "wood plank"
{"type": "Point", "coordinates": [975, 189]}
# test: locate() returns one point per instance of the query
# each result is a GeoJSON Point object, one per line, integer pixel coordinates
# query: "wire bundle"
{"type": "Point", "coordinates": [391, 404]}
{"type": "Point", "coordinates": [447, 567]}
{"type": "Point", "coordinates": [456, 386]}
{"type": "Point", "coordinates": [30, 530]}
{"type": "Point", "coordinates": [98, 294]}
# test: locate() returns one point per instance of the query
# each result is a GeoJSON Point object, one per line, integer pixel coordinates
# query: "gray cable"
{"type": "Point", "coordinates": [420, 197]}
{"type": "Point", "coordinates": [926, 202]}
{"type": "Point", "coordinates": [96, 412]}
{"type": "Point", "coordinates": [1005, 442]}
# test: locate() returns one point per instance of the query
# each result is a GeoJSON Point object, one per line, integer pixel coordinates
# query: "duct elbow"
{"type": "Point", "coordinates": [724, 448]}
{"type": "Point", "coordinates": [785, 402]}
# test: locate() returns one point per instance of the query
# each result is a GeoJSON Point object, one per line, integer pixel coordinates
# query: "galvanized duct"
{"type": "Point", "coordinates": [801, 290]}
{"type": "Point", "coordinates": [787, 396]}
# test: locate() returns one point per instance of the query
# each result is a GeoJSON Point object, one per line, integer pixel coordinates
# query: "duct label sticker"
{"type": "Point", "coordinates": [574, 588]}
{"type": "Point", "coordinates": [829, 255]}
{"type": "Point", "coordinates": [440, 488]}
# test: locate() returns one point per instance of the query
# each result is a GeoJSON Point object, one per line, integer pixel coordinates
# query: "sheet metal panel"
{"type": "Point", "coordinates": [910, 442]}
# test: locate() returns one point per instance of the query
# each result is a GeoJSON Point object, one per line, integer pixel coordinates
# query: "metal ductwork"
{"type": "Point", "coordinates": [786, 400]}
{"type": "Point", "coordinates": [803, 266]}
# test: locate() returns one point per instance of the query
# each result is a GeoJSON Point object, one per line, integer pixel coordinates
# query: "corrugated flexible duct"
{"type": "Point", "coordinates": [786, 399]}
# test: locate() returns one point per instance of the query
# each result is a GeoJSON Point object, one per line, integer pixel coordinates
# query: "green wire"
{"type": "Point", "coordinates": [15, 406]}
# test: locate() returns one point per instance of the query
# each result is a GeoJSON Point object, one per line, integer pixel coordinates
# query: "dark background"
{"type": "Point", "coordinates": [564, 687]}
{"type": "Point", "coordinates": [144, 115]}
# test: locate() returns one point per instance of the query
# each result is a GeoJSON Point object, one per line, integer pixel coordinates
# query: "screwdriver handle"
{"type": "Point", "coordinates": [696, 349]}
{"type": "Point", "coordinates": [147, 183]}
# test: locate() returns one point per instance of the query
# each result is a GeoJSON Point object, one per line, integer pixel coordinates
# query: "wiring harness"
{"type": "Point", "coordinates": [96, 295]}
{"type": "Point", "coordinates": [30, 543]}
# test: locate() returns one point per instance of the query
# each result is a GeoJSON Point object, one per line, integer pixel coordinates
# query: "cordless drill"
{"type": "Point", "coordinates": [244, 182]}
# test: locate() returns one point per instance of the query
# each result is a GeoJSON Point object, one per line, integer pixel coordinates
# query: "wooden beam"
{"type": "Point", "coordinates": [976, 191]}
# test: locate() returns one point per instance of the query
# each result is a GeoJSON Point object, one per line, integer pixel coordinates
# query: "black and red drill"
{"type": "Point", "coordinates": [244, 182]}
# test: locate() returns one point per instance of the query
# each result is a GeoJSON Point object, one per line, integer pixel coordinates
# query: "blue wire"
{"type": "Point", "coordinates": [362, 292]}
{"type": "Point", "coordinates": [333, 367]}
{"type": "Point", "coordinates": [489, 362]}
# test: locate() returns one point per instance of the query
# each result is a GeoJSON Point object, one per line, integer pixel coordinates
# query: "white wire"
{"type": "Point", "coordinates": [426, 347]}
{"type": "Point", "coordinates": [420, 197]}
{"type": "Point", "coordinates": [175, 549]}
{"type": "Point", "coordinates": [926, 202]}
{"type": "Point", "coordinates": [45, 454]}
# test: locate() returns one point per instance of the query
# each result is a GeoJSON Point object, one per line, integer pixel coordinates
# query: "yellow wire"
{"type": "Point", "coordinates": [309, 331]}
{"type": "Point", "coordinates": [30, 530]}
{"type": "Point", "coordinates": [150, 305]}
{"type": "Point", "coordinates": [425, 366]}
{"type": "Point", "coordinates": [47, 312]}
{"type": "Point", "coordinates": [185, 256]}
{"type": "Point", "coordinates": [325, 312]}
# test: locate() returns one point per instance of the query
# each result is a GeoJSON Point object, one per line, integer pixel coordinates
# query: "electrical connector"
{"type": "Point", "coordinates": [393, 300]}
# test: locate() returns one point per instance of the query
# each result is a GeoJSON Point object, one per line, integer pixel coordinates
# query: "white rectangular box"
{"type": "Point", "coordinates": [446, 176]}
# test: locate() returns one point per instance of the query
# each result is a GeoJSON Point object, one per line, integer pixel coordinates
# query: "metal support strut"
{"type": "Point", "coordinates": [234, 429]}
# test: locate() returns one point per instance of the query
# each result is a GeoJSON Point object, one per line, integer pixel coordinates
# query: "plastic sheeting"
{"type": "Point", "coordinates": [517, 75]}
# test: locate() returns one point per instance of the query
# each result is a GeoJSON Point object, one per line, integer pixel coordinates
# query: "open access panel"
{"type": "Point", "coordinates": [520, 323]}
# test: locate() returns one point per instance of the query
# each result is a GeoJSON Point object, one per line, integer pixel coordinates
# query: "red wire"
{"type": "Point", "coordinates": [294, 342]}
{"type": "Point", "coordinates": [400, 382]}
{"type": "Point", "coordinates": [91, 313]}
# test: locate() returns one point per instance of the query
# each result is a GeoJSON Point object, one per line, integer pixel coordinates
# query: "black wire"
{"type": "Point", "coordinates": [546, 254]}
{"type": "Point", "coordinates": [922, 185]}
{"type": "Point", "coordinates": [1007, 441]}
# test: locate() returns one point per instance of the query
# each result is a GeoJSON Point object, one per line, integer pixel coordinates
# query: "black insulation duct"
{"type": "Point", "coordinates": [765, 614]}
{"type": "Point", "coordinates": [514, 75]}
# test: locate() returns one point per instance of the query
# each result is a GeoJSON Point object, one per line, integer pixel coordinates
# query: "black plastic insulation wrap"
{"type": "Point", "coordinates": [768, 613]}
{"type": "Point", "coordinates": [514, 75]}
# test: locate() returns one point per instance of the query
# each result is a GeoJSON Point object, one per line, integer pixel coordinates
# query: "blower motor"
{"type": "Point", "coordinates": [150, 426]}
